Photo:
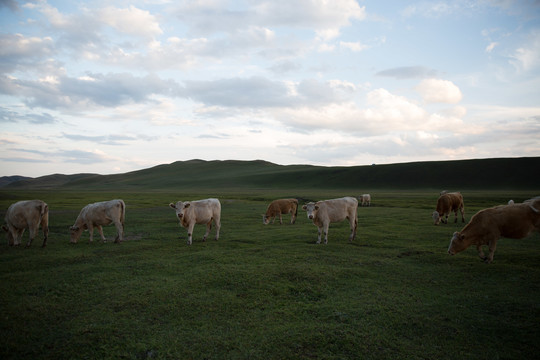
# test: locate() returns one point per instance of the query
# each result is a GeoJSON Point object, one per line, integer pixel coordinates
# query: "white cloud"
{"type": "Point", "coordinates": [132, 21]}
{"type": "Point", "coordinates": [491, 46]}
{"type": "Point", "coordinates": [439, 91]}
{"type": "Point", "coordinates": [353, 46]}
{"type": "Point", "coordinates": [527, 57]}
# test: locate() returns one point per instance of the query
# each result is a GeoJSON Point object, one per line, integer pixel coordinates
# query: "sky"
{"type": "Point", "coordinates": [115, 86]}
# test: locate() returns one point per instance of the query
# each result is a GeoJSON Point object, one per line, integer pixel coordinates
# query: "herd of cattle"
{"type": "Point", "coordinates": [514, 221]}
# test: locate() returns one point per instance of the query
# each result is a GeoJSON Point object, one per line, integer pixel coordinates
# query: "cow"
{"type": "Point", "coordinates": [279, 207]}
{"type": "Point", "coordinates": [26, 214]}
{"type": "Point", "coordinates": [447, 203]}
{"type": "Point", "coordinates": [198, 212]}
{"type": "Point", "coordinates": [329, 211]}
{"type": "Point", "coordinates": [511, 202]}
{"type": "Point", "coordinates": [487, 226]}
{"type": "Point", "coordinates": [365, 199]}
{"type": "Point", "coordinates": [97, 215]}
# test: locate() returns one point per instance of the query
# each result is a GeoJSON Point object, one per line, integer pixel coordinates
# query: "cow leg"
{"type": "Point", "coordinates": [31, 234]}
{"type": "Point", "coordinates": [218, 227]}
{"type": "Point", "coordinates": [45, 234]}
{"type": "Point", "coordinates": [190, 233]}
{"type": "Point", "coordinates": [455, 217]}
{"type": "Point", "coordinates": [208, 229]}
{"type": "Point", "coordinates": [17, 236]}
{"type": "Point", "coordinates": [319, 231]}
{"type": "Point", "coordinates": [481, 252]}
{"type": "Point", "coordinates": [280, 219]}
{"type": "Point", "coordinates": [492, 247]}
{"type": "Point", "coordinates": [354, 225]}
{"type": "Point", "coordinates": [120, 232]}
{"type": "Point", "coordinates": [462, 215]}
{"type": "Point", "coordinates": [446, 218]}
{"type": "Point", "coordinates": [100, 230]}
{"type": "Point", "coordinates": [293, 217]}
{"type": "Point", "coordinates": [326, 233]}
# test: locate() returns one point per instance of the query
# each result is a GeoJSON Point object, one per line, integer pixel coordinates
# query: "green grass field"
{"type": "Point", "coordinates": [267, 292]}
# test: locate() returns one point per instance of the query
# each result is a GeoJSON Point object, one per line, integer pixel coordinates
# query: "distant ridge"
{"type": "Point", "coordinates": [500, 173]}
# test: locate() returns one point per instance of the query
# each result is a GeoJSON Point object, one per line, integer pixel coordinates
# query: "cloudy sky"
{"type": "Point", "coordinates": [114, 86]}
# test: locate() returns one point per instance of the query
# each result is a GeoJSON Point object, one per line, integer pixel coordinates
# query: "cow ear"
{"type": "Point", "coordinates": [5, 228]}
{"type": "Point", "coordinates": [172, 205]}
{"type": "Point", "coordinates": [316, 207]}
{"type": "Point", "coordinates": [74, 228]}
{"type": "Point", "coordinates": [461, 237]}
{"type": "Point", "coordinates": [304, 207]}
{"type": "Point", "coordinates": [186, 205]}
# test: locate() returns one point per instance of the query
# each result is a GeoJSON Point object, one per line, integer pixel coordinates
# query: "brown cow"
{"type": "Point", "coordinates": [26, 214]}
{"type": "Point", "coordinates": [279, 207]}
{"type": "Point", "coordinates": [198, 212]}
{"type": "Point", "coordinates": [447, 203]}
{"type": "Point", "coordinates": [99, 214]}
{"type": "Point", "coordinates": [487, 226]}
{"type": "Point", "coordinates": [329, 211]}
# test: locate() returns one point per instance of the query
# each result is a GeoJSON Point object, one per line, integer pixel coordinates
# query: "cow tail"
{"type": "Point", "coordinates": [44, 215]}
{"type": "Point", "coordinates": [296, 210]}
{"type": "Point", "coordinates": [123, 216]}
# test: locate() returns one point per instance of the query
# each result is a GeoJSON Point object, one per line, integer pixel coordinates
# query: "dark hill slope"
{"type": "Point", "coordinates": [505, 173]}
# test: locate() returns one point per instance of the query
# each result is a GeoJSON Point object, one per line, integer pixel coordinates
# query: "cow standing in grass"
{"type": "Point", "coordinates": [97, 215]}
{"type": "Point", "coordinates": [365, 199]}
{"type": "Point", "coordinates": [27, 214]}
{"type": "Point", "coordinates": [514, 221]}
{"type": "Point", "coordinates": [279, 207]}
{"type": "Point", "coordinates": [198, 212]}
{"type": "Point", "coordinates": [329, 211]}
{"type": "Point", "coordinates": [447, 203]}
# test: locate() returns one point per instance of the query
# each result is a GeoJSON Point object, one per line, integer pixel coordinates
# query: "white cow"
{"type": "Point", "coordinates": [97, 215]}
{"type": "Point", "coordinates": [329, 211]}
{"type": "Point", "coordinates": [365, 199]}
{"type": "Point", "coordinates": [26, 214]}
{"type": "Point", "coordinates": [199, 212]}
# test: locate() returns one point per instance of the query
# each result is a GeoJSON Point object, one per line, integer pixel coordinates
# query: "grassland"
{"type": "Point", "coordinates": [267, 292]}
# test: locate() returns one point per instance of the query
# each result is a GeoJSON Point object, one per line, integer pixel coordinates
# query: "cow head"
{"type": "Point", "coordinates": [436, 217]}
{"type": "Point", "coordinates": [266, 219]}
{"type": "Point", "coordinates": [75, 233]}
{"type": "Point", "coordinates": [458, 243]}
{"type": "Point", "coordinates": [311, 209]}
{"type": "Point", "coordinates": [180, 208]}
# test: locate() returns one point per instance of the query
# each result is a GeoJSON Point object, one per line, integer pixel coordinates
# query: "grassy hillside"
{"type": "Point", "coordinates": [506, 173]}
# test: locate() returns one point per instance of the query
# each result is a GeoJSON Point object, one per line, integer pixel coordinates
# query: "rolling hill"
{"type": "Point", "coordinates": [501, 173]}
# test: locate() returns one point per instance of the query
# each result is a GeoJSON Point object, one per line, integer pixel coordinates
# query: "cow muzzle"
{"type": "Point", "coordinates": [310, 217]}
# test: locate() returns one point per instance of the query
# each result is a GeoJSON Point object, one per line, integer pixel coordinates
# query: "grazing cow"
{"type": "Point", "coordinates": [198, 212]}
{"type": "Point", "coordinates": [97, 215]}
{"type": "Point", "coordinates": [447, 203]}
{"type": "Point", "coordinates": [279, 207]}
{"type": "Point", "coordinates": [488, 225]}
{"type": "Point", "coordinates": [328, 211]}
{"type": "Point", "coordinates": [365, 199]}
{"type": "Point", "coordinates": [26, 214]}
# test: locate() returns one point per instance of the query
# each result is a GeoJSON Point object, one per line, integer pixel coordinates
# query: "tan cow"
{"type": "Point", "coordinates": [329, 211]}
{"type": "Point", "coordinates": [365, 199]}
{"type": "Point", "coordinates": [487, 226]}
{"type": "Point", "coordinates": [199, 212]}
{"type": "Point", "coordinates": [26, 214]}
{"type": "Point", "coordinates": [97, 215]}
{"type": "Point", "coordinates": [279, 207]}
{"type": "Point", "coordinates": [447, 203]}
